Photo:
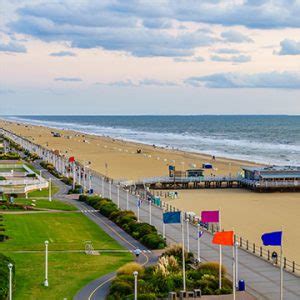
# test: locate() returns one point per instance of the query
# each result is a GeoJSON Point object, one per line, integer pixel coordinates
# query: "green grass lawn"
{"type": "Point", "coordinates": [68, 272]}
{"type": "Point", "coordinates": [45, 203]}
{"type": "Point", "coordinates": [44, 192]}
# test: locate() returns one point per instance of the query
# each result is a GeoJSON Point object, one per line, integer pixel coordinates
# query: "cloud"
{"type": "Point", "coordinates": [111, 26]}
{"type": "Point", "coordinates": [12, 47]}
{"type": "Point", "coordinates": [70, 79]}
{"type": "Point", "coordinates": [227, 51]}
{"type": "Point", "coordinates": [233, 36]}
{"type": "Point", "coordinates": [233, 59]}
{"type": "Point", "coordinates": [62, 53]}
{"type": "Point", "coordinates": [142, 82]}
{"type": "Point", "coordinates": [193, 59]}
{"type": "Point", "coordinates": [271, 80]}
{"type": "Point", "coordinates": [289, 47]}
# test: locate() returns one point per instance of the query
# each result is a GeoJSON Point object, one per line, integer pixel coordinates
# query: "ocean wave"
{"type": "Point", "coordinates": [242, 149]}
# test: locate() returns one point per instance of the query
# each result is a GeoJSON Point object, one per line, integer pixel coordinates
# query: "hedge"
{"type": "Point", "coordinates": [143, 232]}
{"type": "Point", "coordinates": [9, 156]}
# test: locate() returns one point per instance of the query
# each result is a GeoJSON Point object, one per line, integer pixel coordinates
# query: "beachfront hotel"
{"type": "Point", "coordinates": [283, 178]}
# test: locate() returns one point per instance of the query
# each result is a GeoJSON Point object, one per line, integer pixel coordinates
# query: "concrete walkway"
{"type": "Point", "coordinates": [262, 278]}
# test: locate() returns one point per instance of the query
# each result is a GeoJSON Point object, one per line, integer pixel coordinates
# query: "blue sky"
{"type": "Point", "coordinates": [150, 57]}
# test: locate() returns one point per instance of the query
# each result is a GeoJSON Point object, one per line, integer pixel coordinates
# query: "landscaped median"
{"type": "Point", "coordinates": [155, 282]}
{"type": "Point", "coordinates": [126, 219]}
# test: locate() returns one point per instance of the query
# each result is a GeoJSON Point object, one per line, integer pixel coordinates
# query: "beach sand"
{"type": "Point", "coordinates": [249, 213]}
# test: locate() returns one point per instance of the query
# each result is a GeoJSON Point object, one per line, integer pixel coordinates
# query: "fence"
{"type": "Point", "coordinates": [244, 244]}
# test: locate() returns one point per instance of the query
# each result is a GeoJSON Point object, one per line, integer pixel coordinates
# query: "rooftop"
{"type": "Point", "coordinates": [273, 169]}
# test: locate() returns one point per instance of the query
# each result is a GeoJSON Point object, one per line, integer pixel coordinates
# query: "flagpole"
{"type": "Point", "coordinates": [183, 255]}
{"type": "Point", "coordinates": [187, 235]}
{"type": "Point", "coordinates": [233, 269]}
{"type": "Point", "coordinates": [198, 244]}
{"type": "Point", "coordinates": [138, 210]}
{"type": "Point", "coordinates": [220, 254]}
{"type": "Point", "coordinates": [74, 178]}
{"type": "Point", "coordinates": [281, 268]}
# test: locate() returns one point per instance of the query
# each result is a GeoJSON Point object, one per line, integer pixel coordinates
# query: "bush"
{"type": "Point", "coordinates": [31, 175]}
{"type": "Point", "coordinates": [153, 241]}
{"type": "Point", "coordinates": [2, 178]}
{"type": "Point", "coordinates": [9, 156]}
{"type": "Point", "coordinates": [144, 232]}
{"type": "Point", "coordinates": [67, 180]}
{"type": "Point", "coordinates": [176, 251]}
{"type": "Point", "coordinates": [129, 268]}
{"type": "Point", "coordinates": [4, 272]}
{"type": "Point", "coordinates": [211, 268]}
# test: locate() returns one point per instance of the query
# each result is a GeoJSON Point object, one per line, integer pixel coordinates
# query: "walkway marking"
{"type": "Point", "coordinates": [122, 238]}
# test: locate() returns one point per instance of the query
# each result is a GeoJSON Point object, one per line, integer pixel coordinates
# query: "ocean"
{"type": "Point", "coordinates": [264, 139]}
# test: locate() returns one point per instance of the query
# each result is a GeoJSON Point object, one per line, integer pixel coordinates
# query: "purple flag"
{"type": "Point", "coordinates": [210, 216]}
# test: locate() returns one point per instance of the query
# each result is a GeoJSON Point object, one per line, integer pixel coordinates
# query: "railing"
{"type": "Point", "coordinates": [244, 244]}
{"type": "Point", "coordinates": [167, 179]}
{"type": "Point", "coordinates": [290, 266]}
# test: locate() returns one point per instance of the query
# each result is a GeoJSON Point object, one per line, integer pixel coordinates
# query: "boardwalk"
{"type": "Point", "coordinates": [262, 279]}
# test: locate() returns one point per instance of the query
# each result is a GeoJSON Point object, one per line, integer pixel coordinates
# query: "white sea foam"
{"type": "Point", "coordinates": [263, 152]}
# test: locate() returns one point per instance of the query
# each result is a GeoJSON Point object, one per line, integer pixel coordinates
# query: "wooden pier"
{"type": "Point", "coordinates": [164, 183]}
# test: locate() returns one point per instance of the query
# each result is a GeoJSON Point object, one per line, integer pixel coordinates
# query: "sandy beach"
{"type": "Point", "coordinates": [249, 213]}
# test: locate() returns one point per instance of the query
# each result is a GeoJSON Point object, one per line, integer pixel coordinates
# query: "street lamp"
{"type": "Point", "coordinates": [46, 283]}
{"type": "Point", "coordinates": [10, 266]}
{"type": "Point", "coordinates": [50, 195]}
{"type": "Point", "coordinates": [135, 274]}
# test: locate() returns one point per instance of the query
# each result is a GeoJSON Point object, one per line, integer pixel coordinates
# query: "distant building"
{"type": "Point", "coordinates": [271, 178]}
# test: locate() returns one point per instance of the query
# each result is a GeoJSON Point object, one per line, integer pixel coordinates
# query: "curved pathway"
{"type": "Point", "coordinates": [98, 289]}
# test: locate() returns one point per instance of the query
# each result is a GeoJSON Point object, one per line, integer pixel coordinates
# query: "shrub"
{"type": "Point", "coordinates": [9, 156]}
{"type": "Point", "coordinates": [153, 241]}
{"type": "Point", "coordinates": [67, 180]}
{"type": "Point", "coordinates": [211, 268]}
{"type": "Point", "coordinates": [31, 175]}
{"type": "Point", "coordinates": [176, 251]}
{"type": "Point", "coordinates": [119, 287]}
{"type": "Point", "coordinates": [129, 268]}
{"type": "Point", "coordinates": [2, 178]}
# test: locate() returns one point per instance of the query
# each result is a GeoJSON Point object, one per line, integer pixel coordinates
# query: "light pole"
{"type": "Point", "coordinates": [127, 200]}
{"type": "Point", "coordinates": [50, 184]}
{"type": "Point", "coordinates": [46, 283]}
{"type": "Point", "coordinates": [102, 187]}
{"type": "Point", "coordinates": [188, 235]}
{"type": "Point", "coordinates": [118, 195]}
{"type": "Point", "coordinates": [109, 189]}
{"type": "Point", "coordinates": [236, 245]}
{"type": "Point", "coordinates": [150, 213]}
{"type": "Point", "coordinates": [135, 274]}
{"type": "Point", "coordinates": [10, 266]}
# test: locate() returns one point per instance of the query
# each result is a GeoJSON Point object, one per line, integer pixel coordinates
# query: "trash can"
{"type": "Point", "coordinates": [91, 191]}
{"type": "Point", "coordinates": [241, 285]}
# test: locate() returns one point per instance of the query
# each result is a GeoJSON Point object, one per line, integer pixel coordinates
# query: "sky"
{"type": "Point", "coordinates": [149, 57]}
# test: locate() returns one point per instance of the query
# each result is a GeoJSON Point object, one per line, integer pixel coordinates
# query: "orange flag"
{"type": "Point", "coordinates": [224, 238]}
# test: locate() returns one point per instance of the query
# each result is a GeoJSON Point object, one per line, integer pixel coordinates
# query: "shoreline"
{"type": "Point", "coordinates": [140, 143]}
{"type": "Point", "coordinates": [250, 213]}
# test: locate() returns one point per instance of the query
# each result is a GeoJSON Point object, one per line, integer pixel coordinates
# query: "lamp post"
{"type": "Point", "coordinates": [135, 274]}
{"type": "Point", "coordinates": [150, 212]}
{"type": "Point", "coordinates": [188, 234]}
{"type": "Point", "coordinates": [118, 195]}
{"type": "Point", "coordinates": [127, 200]}
{"type": "Point", "coordinates": [46, 283]}
{"type": "Point", "coordinates": [50, 195]}
{"type": "Point", "coordinates": [10, 266]}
